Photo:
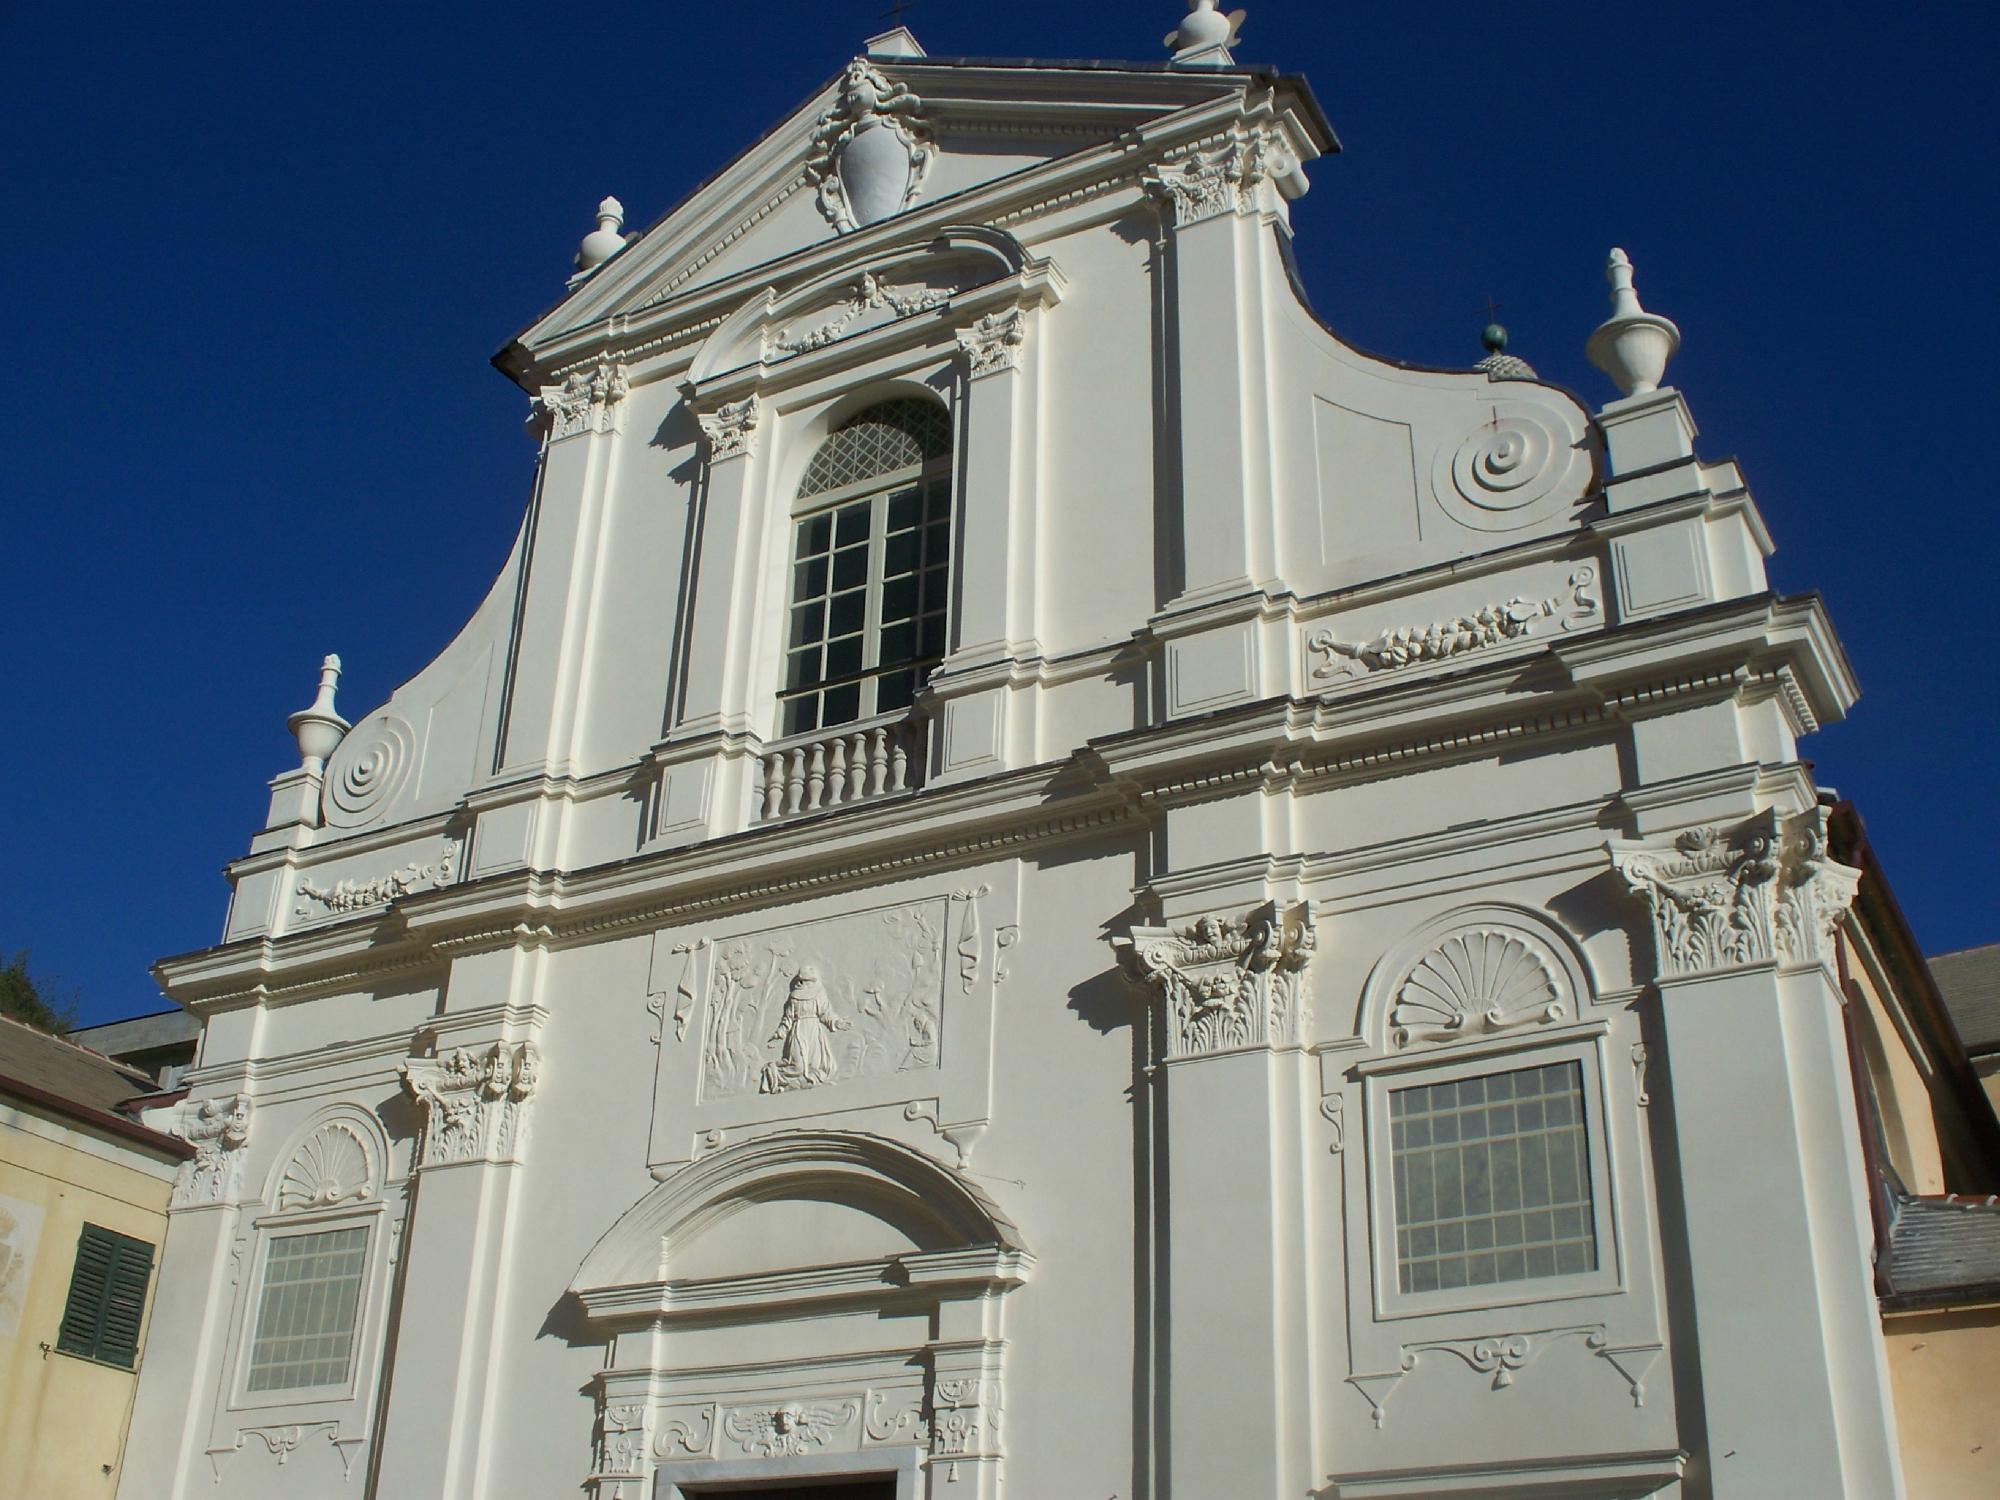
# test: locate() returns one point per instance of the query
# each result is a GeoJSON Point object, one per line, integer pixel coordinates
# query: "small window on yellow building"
{"type": "Point", "coordinates": [107, 1297]}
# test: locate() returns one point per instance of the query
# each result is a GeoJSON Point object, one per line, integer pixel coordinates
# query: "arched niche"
{"type": "Point", "coordinates": [803, 1306]}
{"type": "Point", "coordinates": [902, 282]}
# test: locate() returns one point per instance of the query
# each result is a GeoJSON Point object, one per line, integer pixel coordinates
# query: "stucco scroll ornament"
{"type": "Point", "coordinates": [218, 1129]}
{"type": "Point", "coordinates": [731, 429]}
{"type": "Point", "coordinates": [585, 401]}
{"type": "Point", "coordinates": [1227, 982]}
{"type": "Point", "coordinates": [1441, 640]}
{"type": "Point", "coordinates": [1721, 899]}
{"type": "Point", "coordinates": [871, 151]}
{"type": "Point", "coordinates": [1227, 179]}
{"type": "Point", "coordinates": [869, 293]}
{"type": "Point", "coordinates": [472, 1101]}
{"type": "Point", "coordinates": [1481, 980]}
{"type": "Point", "coordinates": [790, 1429]}
{"type": "Point", "coordinates": [995, 342]}
{"type": "Point", "coordinates": [351, 895]}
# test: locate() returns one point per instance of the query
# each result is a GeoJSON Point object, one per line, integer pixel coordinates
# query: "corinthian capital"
{"type": "Point", "coordinates": [218, 1129]}
{"type": "Point", "coordinates": [731, 429]}
{"type": "Point", "coordinates": [586, 401]}
{"type": "Point", "coordinates": [1227, 179]}
{"type": "Point", "coordinates": [1226, 982]}
{"type": "Point", "coordinates": [472, 1101]}
{"type": "Point", "coordinates": [1765, 891]}
{"type": "Point", "coordinates": [994, 343]}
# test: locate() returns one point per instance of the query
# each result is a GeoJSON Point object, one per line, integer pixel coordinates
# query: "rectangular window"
{"type": "Point", "coordinates": [305, 1320]}
{"type": "Point", "coordinates": [1492, 1179]}
{"type": "Point", "coordinates": [107, 1297]}
{"type": "Point", "coordinates": [869, 595]}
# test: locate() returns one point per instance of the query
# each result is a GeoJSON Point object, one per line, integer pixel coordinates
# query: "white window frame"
{"type": "Point", "coordinates": [877, 489]}
{"type": "Point", "coordinates": [1583, 1046]}
{"type": "Point", "coordinates": [367, 1332]}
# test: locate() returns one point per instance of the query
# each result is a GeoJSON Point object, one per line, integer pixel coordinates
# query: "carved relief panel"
{"type": "Point", "coordinates": [845, 1006]}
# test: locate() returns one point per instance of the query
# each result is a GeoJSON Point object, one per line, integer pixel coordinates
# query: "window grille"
{"type": "Point", "coordinates": [305, 1319]}
{"type": "Point", "coordinates": [1492, 1179]}
{"type": "Point", "coordinates": [870, 572]}
{"type": "Point", "coordinates": [107, 1297]}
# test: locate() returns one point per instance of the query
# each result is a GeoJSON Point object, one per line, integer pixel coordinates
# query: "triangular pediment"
{"type": "Point", "coordinates": [887, 138]}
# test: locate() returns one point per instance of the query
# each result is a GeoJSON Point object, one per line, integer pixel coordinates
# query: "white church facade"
{"type": "Point", "coordinates": [1040, 880]}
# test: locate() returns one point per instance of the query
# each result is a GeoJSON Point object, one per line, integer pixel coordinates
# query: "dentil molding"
{"type": "Point", "coordinates": [1727, 898]}
{"type": "Point", "coordinates": [472, 1101]}
{"type": "Point", "coordinates": [1227, 982]}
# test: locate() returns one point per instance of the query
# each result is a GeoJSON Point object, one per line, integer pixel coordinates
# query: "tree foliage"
{"type": "Point", "coordinates": [32, 1002]}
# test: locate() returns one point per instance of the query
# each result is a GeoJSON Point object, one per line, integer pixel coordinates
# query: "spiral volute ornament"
{"type": "Point", "coordinates": [1497, 476]}
{"type": "Point", "coordinates": [368, 770]}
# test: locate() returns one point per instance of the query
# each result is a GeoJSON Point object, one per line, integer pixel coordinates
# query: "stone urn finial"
{"type": "Point", "coordinates": [606, 240]}
{"type": "Point", "coordinates": [1206, 35]}
{"type": "Point", "coordinates": [1632, 346]}
{"type": "Point", "coordinates": [318, 729]}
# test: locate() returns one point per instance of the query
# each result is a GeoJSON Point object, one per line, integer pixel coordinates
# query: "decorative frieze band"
{"type": "Point", "coordinates": [591, 401]}
{"type": "Point", "coordinates": [995, 342]}
{"type": "Point", "coordinates": [218, 1129]}
{"type": "Point", "coordinates": [1227, 179]}
{"type": "Point", "coordinates": [731, 429]}
{"type": "Point", "coordinates": [1726, 898]}
{"type": "Point", "coordinates": [350, 895]}
{"type": "Point", "coordinates": [1226, 982]}
{"type": "Point", "coordinates": [1442, 639]}
{"type": "Point", "coordinates": [472, 1102]}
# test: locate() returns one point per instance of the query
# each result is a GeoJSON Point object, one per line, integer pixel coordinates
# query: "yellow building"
{"type": "Point", "coordinates": [83, 1208]}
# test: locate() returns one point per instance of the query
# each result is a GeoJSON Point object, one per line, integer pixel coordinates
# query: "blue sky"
{"type": "Point", "coordinates": [258, 256]}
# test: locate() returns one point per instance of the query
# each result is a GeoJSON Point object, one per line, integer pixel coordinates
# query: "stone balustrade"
{"type": "Point", "coordinates": [842, 766]}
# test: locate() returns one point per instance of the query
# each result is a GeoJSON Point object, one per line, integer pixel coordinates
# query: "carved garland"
{"type": "Point", "coordinates": [472, 1102]}
{"type": "Point", "coordinates": [1227, 982]}
{"type": "Point", "coordinates": [1724, 898]}
{"type": "Point", "coordinates": [356, 895]}
{"type": "Point", "coordinates": [1443, 639]}
{"type": "Point", "coordinates": [869, 293]}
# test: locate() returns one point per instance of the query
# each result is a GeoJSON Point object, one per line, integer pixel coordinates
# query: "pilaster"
{"type": "Point", "coordinates": [474, 1100]}
{"type": "Point", "coordinates": [1229, 995]}
{"type": "Point", "coordinates": [1793, 1376]}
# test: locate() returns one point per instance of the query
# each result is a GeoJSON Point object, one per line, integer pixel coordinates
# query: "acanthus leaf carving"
{"type": "Point", "coordinates": [873, 134]}
{"type": "Point", "coordinates": [1489, 625]}
{"type": "Point", "coordinates": [1228, 178]}
{"type": "Point", "coordinates": [1477, 980]}
{"type": "Point", "coordinates": [218, 1129]}
{"type": "Point", "coordinates": [731, 429]}
{"type": "Point", "coordinates": [1227, 982]}
{"type": "Point", "coordinates": [1764, 891]}
{"type": "Point", "coordinates": [472, 1102]}
{"type": "Point", "coordinates": [995, 342]}
{"type": "Point", "coordinates": [351, 895]}
{"type": "Point", "coordinates": [585, 401]}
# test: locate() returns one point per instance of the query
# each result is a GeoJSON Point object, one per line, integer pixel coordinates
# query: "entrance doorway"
{"type": "Point", "coordinates": [836, 1489]}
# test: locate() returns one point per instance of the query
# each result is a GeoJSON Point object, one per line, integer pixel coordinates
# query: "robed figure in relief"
{"type": "Point", "coordinates": [804, 1037]}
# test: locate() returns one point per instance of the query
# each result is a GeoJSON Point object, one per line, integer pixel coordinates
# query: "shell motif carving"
{"type": "Point", "coordinates": [331, 1167]}
{"type": "Point", "coordinates": [1498, 474]}
{"type": "Point", "coordinates": [1480, 980]}
{"type": "Point", "coordinates": [370, 767]}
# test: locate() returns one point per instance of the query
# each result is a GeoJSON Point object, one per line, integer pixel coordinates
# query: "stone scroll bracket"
{"type": "Point", "coordinates": [1226, 982]}
{"type": "Point", "coordinates": [1763, 892]}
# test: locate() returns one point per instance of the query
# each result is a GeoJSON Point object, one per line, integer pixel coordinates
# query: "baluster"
{"type": "Point", "coordinates": [878, 761]}
{"type": "Point", "coordinates": [899, 765]}
{"type": "Point", "coordinates": [836, 773]}
{"type": "Point", "coordinates": [795, 782]}
{"type": "Point", "coordinates": [857, 768]}
{"type": "Point", "coordinates": [774, 784]}
{"type": "Point", "coordinates": [816, 778]}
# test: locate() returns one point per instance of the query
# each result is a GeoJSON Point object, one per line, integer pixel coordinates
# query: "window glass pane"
{"type": "Point", "coordinates": [848, 613]}
{"type": "Point", "coordinates": [808, 624]}
{"type": "Point", "coordinates": [850, 568]}
{"type": "Point", "coordinates": [809, 579]}
{"type": "Point", "coordinates": [901, 554]}
{"type": "Point", "coordinates": [305, 1319]}
{"type": "Point", "coordinates": [843, 658]}
{"type": "Point", "coordinates": [815, 534]}
{"type": "Point", "coordinates": [899, 644]}
{"type": "Point", "coordinates": [852, 527]}
{"type": "Point", "coordinates": [906, 509]}
{"type": "Point", "coordinates": [895, 690]}
{"type": "Point", "coordinates": [899, 599]}
{"type": "Point", "coordinates": [842, 704]}
{"type": "Point", "coordinates": [801, 714]}
{"type": "Point", "coordinates": [1492, 1179]}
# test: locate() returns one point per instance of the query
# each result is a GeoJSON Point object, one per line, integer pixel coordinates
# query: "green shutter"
{"type": "Point", "coordinates": [107, 1297]}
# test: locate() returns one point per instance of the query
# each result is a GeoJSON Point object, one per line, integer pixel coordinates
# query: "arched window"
{"type": "Point", "coordinates": [870, 566]}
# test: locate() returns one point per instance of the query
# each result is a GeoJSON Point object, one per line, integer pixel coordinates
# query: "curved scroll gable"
{"type": "Point", "coordinates": [1473, 972]}
{"type": "Point", "coordinates": [865, 1171]}
{"type": "Point", "coordinates": [899, 283]}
